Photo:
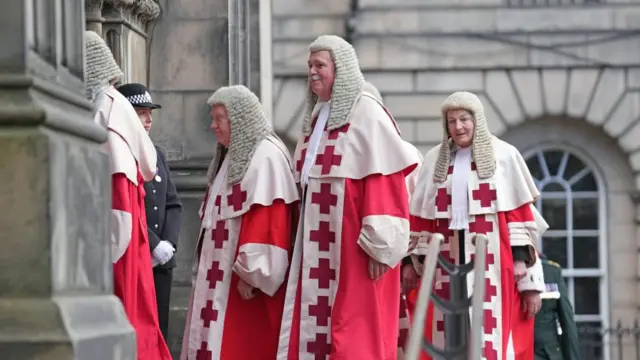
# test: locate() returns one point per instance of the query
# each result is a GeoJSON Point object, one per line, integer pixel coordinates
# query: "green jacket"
{"type": "Point", "coordinates": [555, 316]}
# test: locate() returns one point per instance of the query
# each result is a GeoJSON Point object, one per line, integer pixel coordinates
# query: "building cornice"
{"type": "Point", "coordinates": [141, 10]}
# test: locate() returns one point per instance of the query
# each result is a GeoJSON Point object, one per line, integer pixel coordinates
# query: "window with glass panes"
{"type": "Point", "coordinates": [570, 203]}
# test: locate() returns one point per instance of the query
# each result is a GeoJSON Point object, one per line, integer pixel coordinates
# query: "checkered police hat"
{"type": "Point", "coordinates": [138, 96]}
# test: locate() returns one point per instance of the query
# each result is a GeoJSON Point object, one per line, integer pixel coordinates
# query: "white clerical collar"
{"type": "Point", "coordinates": [210, 216]}
{"type": "Point", "coordinates": [459, 183]}
{"type": "Point", "coordinates": [314, 140]}
{"type": "Point", "coordinates": [318, 106]}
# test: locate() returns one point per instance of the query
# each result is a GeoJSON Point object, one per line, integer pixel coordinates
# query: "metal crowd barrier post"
{"type": "Point", "coordinates": [414, 344]}
{"type": "Point", "coordinates": [477, 301]}
{"type": "Point", "coordinates": [456, 309]}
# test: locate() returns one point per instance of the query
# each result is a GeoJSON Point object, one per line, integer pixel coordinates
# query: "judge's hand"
{"type": "Point", "coordinates": [376, 269]}
{"type": "Point", "coordinates": [519, 270]}
{"type": "Point", "coordinates": [245, 290]}
{"type": "Point", "coordinates": [409, 278]}
{"type": "Point", "coordinates": [531, 302]}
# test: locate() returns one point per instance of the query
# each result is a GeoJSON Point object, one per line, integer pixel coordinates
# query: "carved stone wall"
{"type": "Point", "coordinates": [127, 26]}
{"type": "Point", "coordinates": [57, 297]}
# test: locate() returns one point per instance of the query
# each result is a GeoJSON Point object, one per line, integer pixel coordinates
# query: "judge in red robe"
{"type": "Point", "coordinates": [474, 183]}
{"type": "Point", "coordinates": [133, 161]}
{"type": "Point", "coordinates": [343, 290]}
{"type": "Point", "coordinates": [242, 255]}
{"type": "Point", "coordinates": [411, 180]}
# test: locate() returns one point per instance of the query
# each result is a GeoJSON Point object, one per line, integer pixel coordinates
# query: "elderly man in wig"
{"type": "Point", "coordinates": [133, 161]}
{"type": "Point", "coordinates": [242, 255]}
{"type": "Point", "coordinates": [474, 183]}
{"type": "Point", "coordinates": [342, 294]}
{"type": "Point", "coordinates": [409, 276]}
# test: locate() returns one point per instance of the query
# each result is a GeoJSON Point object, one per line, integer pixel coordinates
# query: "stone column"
{"type": "Point", "coordinates": [125, 30]}
{"type": "Point", "coordinates": [198, 46]}
{"type": "Point", "coordinates": [56, 297]}
{"type": "Point", "coordinates": [93, 11]}
{"type": "Point", "coordinates": [266, 57]}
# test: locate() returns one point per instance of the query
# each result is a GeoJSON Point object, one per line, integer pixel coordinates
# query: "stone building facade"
{"type": "Point", "coordinates": [559, 79]}
{"type": "Point", "coordinates": [57, 297]}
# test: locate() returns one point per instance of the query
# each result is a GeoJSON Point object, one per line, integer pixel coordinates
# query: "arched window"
{"type": "Point", "coordinates": [570, 203]}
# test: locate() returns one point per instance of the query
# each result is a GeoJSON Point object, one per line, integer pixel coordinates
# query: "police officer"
{"type": "Point", "coordinates": [556, 335]}
{"type": "Point", "coordinates": [163, 208]}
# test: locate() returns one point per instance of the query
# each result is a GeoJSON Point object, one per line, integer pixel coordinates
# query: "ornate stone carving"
{"type": "Point", "coordinates": [93, 15]}
{"type": "Point", "coordinates": [57, 282]}
{"type": "Point", "coordinates": [139, 12]}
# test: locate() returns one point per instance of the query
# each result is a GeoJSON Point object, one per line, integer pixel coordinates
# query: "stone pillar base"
{"type": "Point", "coordinates": [81, 328]}
{"type": "Point", "coordinates": [56, 292]}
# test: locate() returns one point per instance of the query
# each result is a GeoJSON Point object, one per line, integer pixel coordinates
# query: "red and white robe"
{"type": "Point", "coordinates": [405, 319]}
{"type": "Point", "coordinates": [501, 208]}
{"type": "Point", "coordinates": [355, 208]}
{"type": "Point", "coordinates": [250, 238]}
{"type": "Point", "coordinates": [412, 179]}
{"type": "Point", "coordinates": [133, 161]}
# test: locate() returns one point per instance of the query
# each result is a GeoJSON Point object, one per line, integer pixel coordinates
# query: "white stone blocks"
{"type": "Point", "coordinates": [426, 147]}
{"type": "Point", "coordinates": [413, 21]}
{"type": "Point", "coordinates": [449, 81]}
{"type": "Point", "coordinates": [414, 105]}
{"type": "Point", "coordinates": [290, 56]}
{"type": "Point", "coordinates": [549, 18]}
{"type": "Point", "coordinates": [368, 51]}
{"type": "Point", "coordinates": [625, 112]}
{"type": "Point", "coordinates": [494, 122]}
{"type": "Point", "coordinates": [499, 89]}
{"type": "Point", "coordinates": [581, 85]}
{"type": "Point", "coordinates": [510, 37]}
{"type": "Point", "coordinates": [308, 27]}
{"type": "Point", "coordinates": [554, 90]}
{"type": "Point", "coordinates": [633, 78]}
{"type": "Point", "coordinates": [430, 3]}
{"type": "Point", "coordinates": [391, 81]}
{"type": "Point", "coordinates": [408, 130]}
{"type": "Point", "coordinates": [411, 52]}
{"type": "Point", "coordinates": [630, 140]}
{"type": "Point", "coordinates": [634, 161]}
{"type": "Point", "coordinates": [429, 131]}
{"type": "Point", "coordinates": [289, 96]}
{"type": "Point", "coordinates": [397, 19]}
{"type": "Point", "coordinates": [610, 88]}
{"type": "Point", "coordinates": [527, 84]}
{"type": "Point", "coordinates": [306, 7]}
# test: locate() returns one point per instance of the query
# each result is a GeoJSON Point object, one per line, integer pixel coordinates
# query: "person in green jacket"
{"type": "Point", "coordinates": [555, 333]}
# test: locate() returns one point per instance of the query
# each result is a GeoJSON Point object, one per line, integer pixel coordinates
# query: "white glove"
{"type": "Point", "coordinates": [163, 252]}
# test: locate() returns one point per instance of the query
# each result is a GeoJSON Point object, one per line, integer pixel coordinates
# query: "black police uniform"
{"type": "Point", "coordinates": [163, 209]}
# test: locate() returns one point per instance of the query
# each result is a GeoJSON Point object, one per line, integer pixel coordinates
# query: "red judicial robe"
{"type": "Point", "coordinates": [355, 208]}
{"type": "Point", "coordinates": [405, 320]}
{"type": "Point", "coordinates": [132, 273]}
{"type": "Point", "coordinates": [501, 208]}
{"type": "Point", "coordinates": [133, 161]}
{"type": "Point", "coordinates": [247, 236]}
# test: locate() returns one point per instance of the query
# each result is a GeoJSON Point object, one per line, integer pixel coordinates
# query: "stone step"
{"type": "Point", "coordinates": [365, 4]}
{"type": "Point", "coordinates": [307, 27]}
{"type": "Point", "coordinates": [310, 7]}
{"type": "Point", "coordinates": [463, 51]}
{"type": "Point", "coordinates": [398, 20]}
{"type": "Point", "coordinates": [293, 32]}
